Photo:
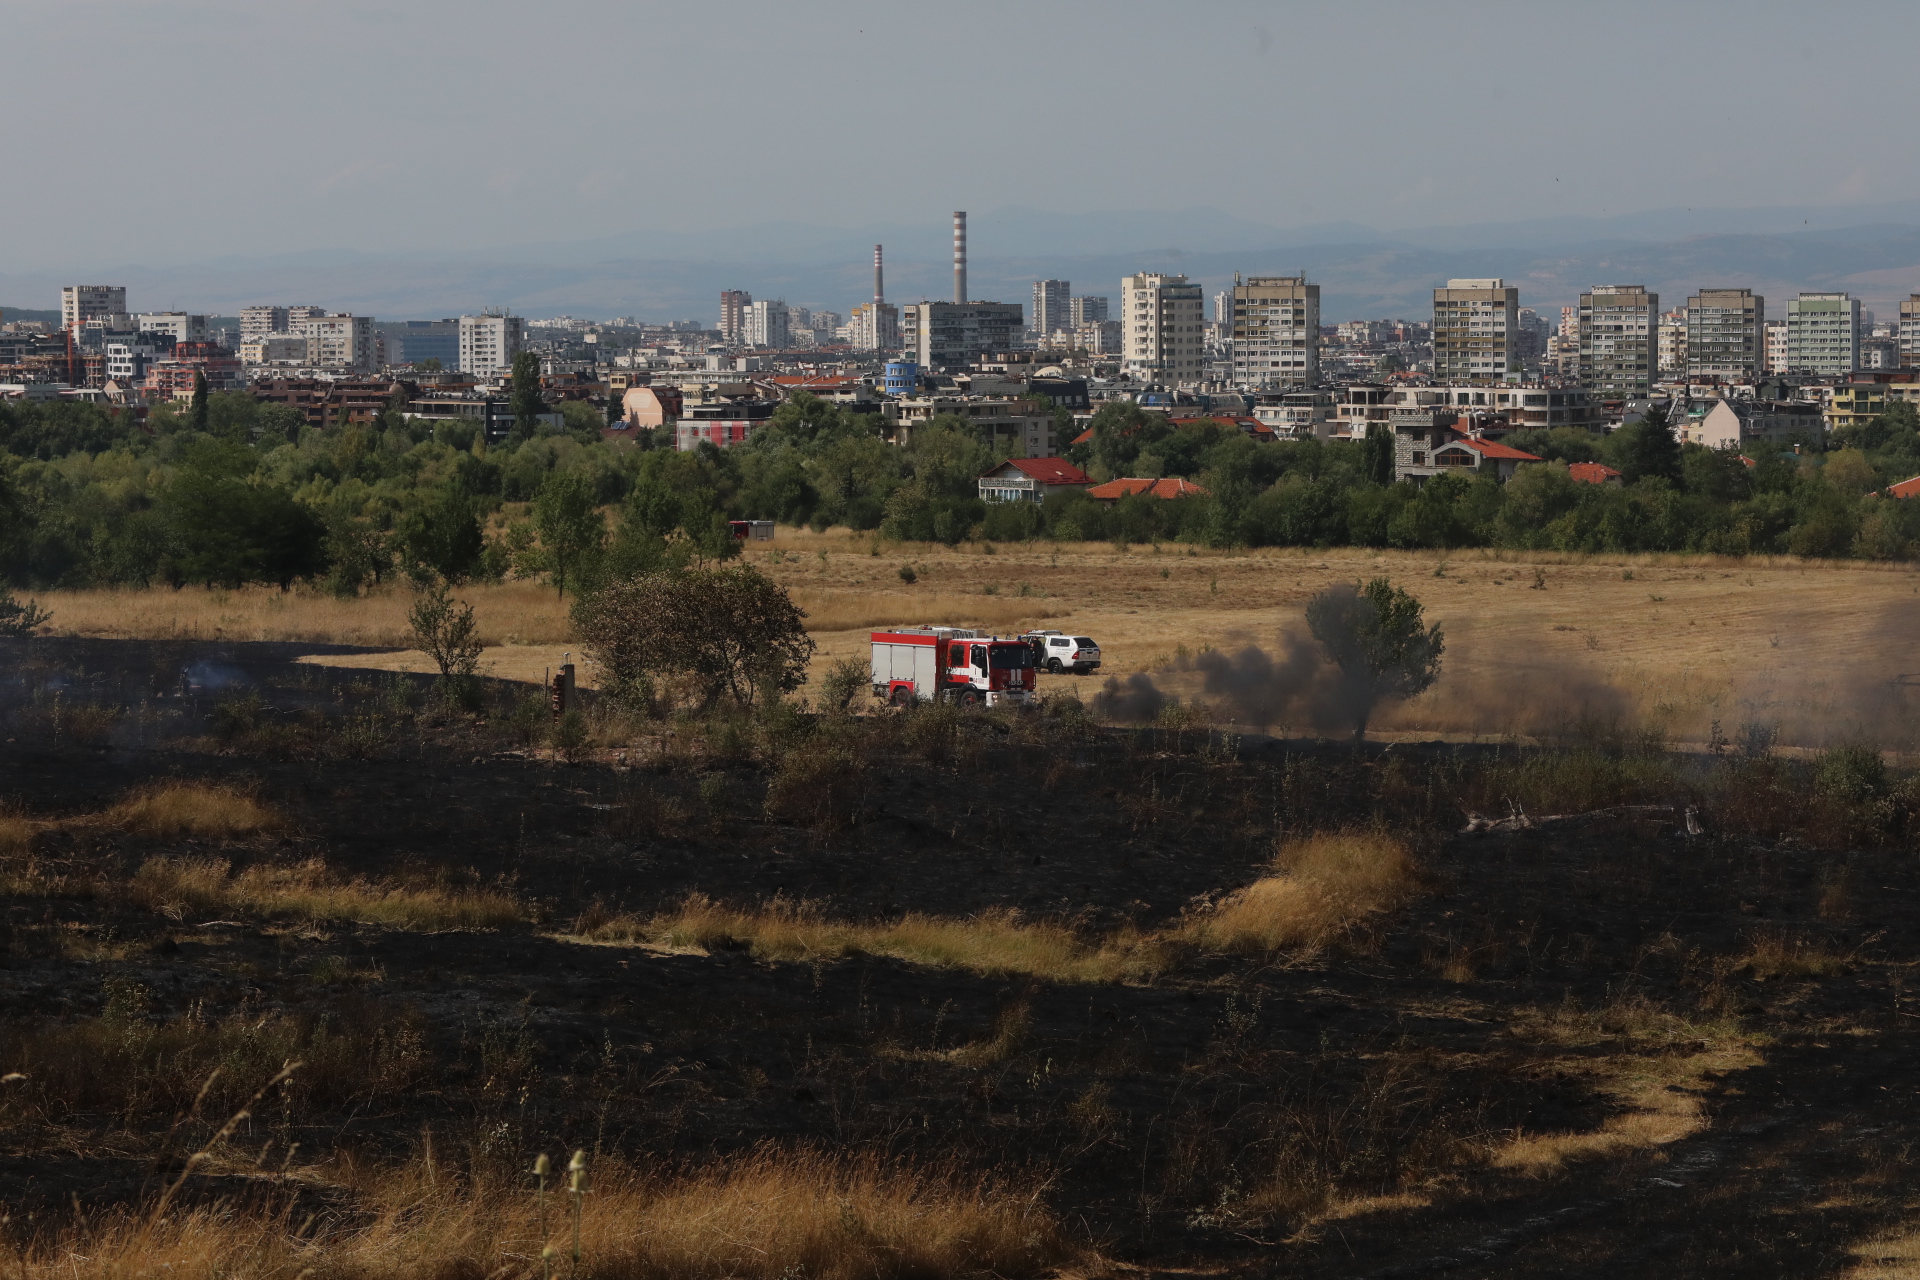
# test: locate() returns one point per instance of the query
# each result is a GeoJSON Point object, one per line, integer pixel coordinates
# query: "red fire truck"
{"type": "Point", "coordinates": [925, 664]}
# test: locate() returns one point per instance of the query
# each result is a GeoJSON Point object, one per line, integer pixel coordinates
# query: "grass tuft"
{"type": "Point", "coordinates": [1327, 883]}
{"type": "Point", "coordinates": [193, 809]}
{"type": "Point", "coordinates": [178, 886]}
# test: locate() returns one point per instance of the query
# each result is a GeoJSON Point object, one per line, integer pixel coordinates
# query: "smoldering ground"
{"type": "Point", "coordinates": [1290, 684]}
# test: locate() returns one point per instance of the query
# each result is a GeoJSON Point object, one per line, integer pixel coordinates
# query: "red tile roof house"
{"type": "Point", "coordinates": [1905, 489]}
{"type": "Point", "coordinates": [1114, 490]}
{"type": "Point", "coordinates": [1593, 473]}
{"type": "Point", "coordinates": [1031, 480]}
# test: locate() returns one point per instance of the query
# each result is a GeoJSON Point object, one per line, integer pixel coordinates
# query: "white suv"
{"type": "Point", "coordinates": [1057, 652]}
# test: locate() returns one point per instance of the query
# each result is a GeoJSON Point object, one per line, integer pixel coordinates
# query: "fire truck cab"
{"type": "Point", "coordinates": [927, 664]}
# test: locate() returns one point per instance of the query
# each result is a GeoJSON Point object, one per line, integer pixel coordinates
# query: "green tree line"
{"type": "Point", "coordinates": [231, 491]}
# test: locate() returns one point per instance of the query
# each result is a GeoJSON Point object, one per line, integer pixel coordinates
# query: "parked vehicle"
{"type": "Point", "coordinates": [1058, 652]}
{"type": "Point", "coordinates": [926, 664]}
{"type": "Point", "coordinates": [751, 530]}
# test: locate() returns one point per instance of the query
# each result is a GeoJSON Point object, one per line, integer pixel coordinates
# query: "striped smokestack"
{"type": "Point", "coordinates": [879, 288]}
{"type": "Point", "coordinates": [960, 255]}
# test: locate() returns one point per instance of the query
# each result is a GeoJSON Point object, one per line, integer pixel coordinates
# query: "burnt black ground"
{"type": "Point", "coordinates": [1153, 1113]}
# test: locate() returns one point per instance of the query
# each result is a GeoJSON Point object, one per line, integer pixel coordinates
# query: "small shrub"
{"type": "Point", "coordinates": [1852, 774]}
{"type": "Point", "coordinates": [568, 736]}
{"type": "Point", "coordinates": [844, 679]}
{"type": "Point", "coordinates": [816, 789]}
{"type": "Point", "coordinates": [907, 575]}
{"type": "Point", "coordinates": [18, 621]}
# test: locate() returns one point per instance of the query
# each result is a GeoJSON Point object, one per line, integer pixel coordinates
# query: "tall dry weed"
{"type": "Point", "coordinates": [204, 810]}
{"type": "Point", "coordinates": [1328, 883]}
{"type": "Point", "coordinates": [765, 1215]}
{"type": "Point", "coordinates": [308, 891]}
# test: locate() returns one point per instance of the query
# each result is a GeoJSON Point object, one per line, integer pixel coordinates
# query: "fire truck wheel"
{"type": "Point", "coordinates": [971, 698]}
{"type": "Point", "coordinates": [1053, 665]}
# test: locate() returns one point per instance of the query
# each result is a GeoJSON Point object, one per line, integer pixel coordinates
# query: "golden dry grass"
{"type": "Point", "coordinates": [994, 942]}
{"type": "Point", "coordinates": [196, 809]}
{"type": "Point", "coordinates": [765, 1215]}
{"type": "Point", "coordinates": [181, 886]}
{"type": "Point", "coordinates": [1327, 883]}
{"type": "Point", "coordinates": [1774, 955]}
{"type": "Point", "coordinates": [508, 613]}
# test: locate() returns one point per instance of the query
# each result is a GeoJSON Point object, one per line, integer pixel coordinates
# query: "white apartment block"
{"type": "Point", "coordinates": [1273, 323]}
{"type": "Point", "coordinates": [1909, 332]}
{"type": "Point", "coordinates": [80, 303]}
{"type": "Point", "coordinates": [1673, 342]}
{"type": "Point", "coordinates": [1163, 328]}
{"type": "Point", "coordinates": [1823, 334]}
{"type": "Point", "coordinates": [1476, 332]}
{"type": "Point", "coordinates": [1619, 341]}
{"type": "Point", "coordinates": [1052, 306]}
{"type": "Point", "coordinates": [1776, 346]}
{"type": "Point", "coordinates": [297, 316]}
{"type": "Point", "coordinates": [180, 325]}
{"type": "Point", "coordinates": [1726, 335]}
{"type": "Point", "coordinates": [767, 324]}
{"type": "Point", "coordinates": [874, 327]}
{"type": "Point", "coordinates": [257, 322]}
{"type": "Point", "coordinates": [339, 342]}
{"type": "Point", "coordinates": [488, 343]}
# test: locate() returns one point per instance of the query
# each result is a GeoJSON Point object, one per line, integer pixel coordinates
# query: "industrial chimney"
{"type": "Point", "coordinates": [960, 255]}
{"type": "Point", "coordinates": [879, 290]}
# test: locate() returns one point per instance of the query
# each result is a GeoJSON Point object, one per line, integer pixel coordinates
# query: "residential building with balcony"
{"type": "Point", "coordinates": [1726, 336]}
{"type": "Point", "coordinates": [953, 335]}
{"type": "Point", "coordinates": [1619, 340]}
{"type": "Point", "coordinates": [1476, 332]}
{"type": "Point", "coordinates": [1823, 334]}
{"type": "Point", "coordinates": [1274, 332]}
{"type": "Point", "coordinates": [80, 303]}
{"type": "Point", "coordinates": [489, 343]}
{"type": "Point", "coordinates": [1163, 329]}
{"type": "Point", "coordinates": [1052, 301]}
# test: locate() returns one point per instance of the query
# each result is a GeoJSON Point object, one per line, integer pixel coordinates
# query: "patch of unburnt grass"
{"type": "Point", "coordinates": [308, 890]}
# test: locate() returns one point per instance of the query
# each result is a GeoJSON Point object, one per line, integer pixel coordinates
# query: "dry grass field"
{"type": "Point", "coordinates": [1534, 640]}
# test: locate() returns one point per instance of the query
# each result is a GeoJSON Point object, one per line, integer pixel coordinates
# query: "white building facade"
{"type": "Point", "coordinates": [488, 343]}
{"type": "Point", "coordinates": [1163, 327]}
{"type": "Point", "coordinates": [1619, 340]}
{"type": "Point", "coordinates": [80, 303]}
{"type": "Point", "coordinates": [1823, 334]}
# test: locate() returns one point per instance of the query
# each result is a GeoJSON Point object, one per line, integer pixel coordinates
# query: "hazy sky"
{"type": "Point", "coordinates": [157, 131]}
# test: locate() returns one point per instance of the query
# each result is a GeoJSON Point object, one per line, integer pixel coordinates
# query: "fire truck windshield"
{"type": "Point", "coordinates": [1009, 657]}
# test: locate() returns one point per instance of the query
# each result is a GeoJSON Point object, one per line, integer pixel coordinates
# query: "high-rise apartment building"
{"type": "Point", "coordinates": [768, 323]}
{"type": "Point", "coordinates": [340, 341]}
{"type": "Point", "coordinates": [1909, 332]}
{"type": "Point", "coordinates": [1823, 334]}
{"type": "Point", "coordinates": [1091, 310]}
{"type": "Point", "coordinates": [257, 322]}
{"type": "Point", "coordinates": [80, 303]}
{"type": "Point", "coordinates": [488, 343]}
{"type": "Point", "coordinates": [1726, 335]}
{"type": "Point", "coordinates": [1163, 326]}
{"type": "Point", "coordinates": [1673, 343]}
{"type": "Point", "coordinates": [1275, 332]}
{"type": "Point", "coordinates": [1052, 306]}
{"type": "Point", "coordinates": [1619, 341]}
{"type": "Point", "coordinates": [1476, 332]}
{"type": "Point", "coordinates": [733, 315]}
{"type": "Point", "coordinates": [297, 316]}
{"type": "Point", "coordinates": [952, 335]}
{"type": "Point", "coordinates": [1776, 345]}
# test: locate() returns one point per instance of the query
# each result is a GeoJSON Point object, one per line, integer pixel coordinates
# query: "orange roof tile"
{"type": "Point", "coordinates": [1592, 472]}
{"type": "Point", "coordinates": [1169, 487]}
{"type": "Point", "coordinates": [1905, 489]}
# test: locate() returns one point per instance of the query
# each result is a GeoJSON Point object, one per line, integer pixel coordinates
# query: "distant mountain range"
{"type": "Point", "coordinates": [1870, 251]}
